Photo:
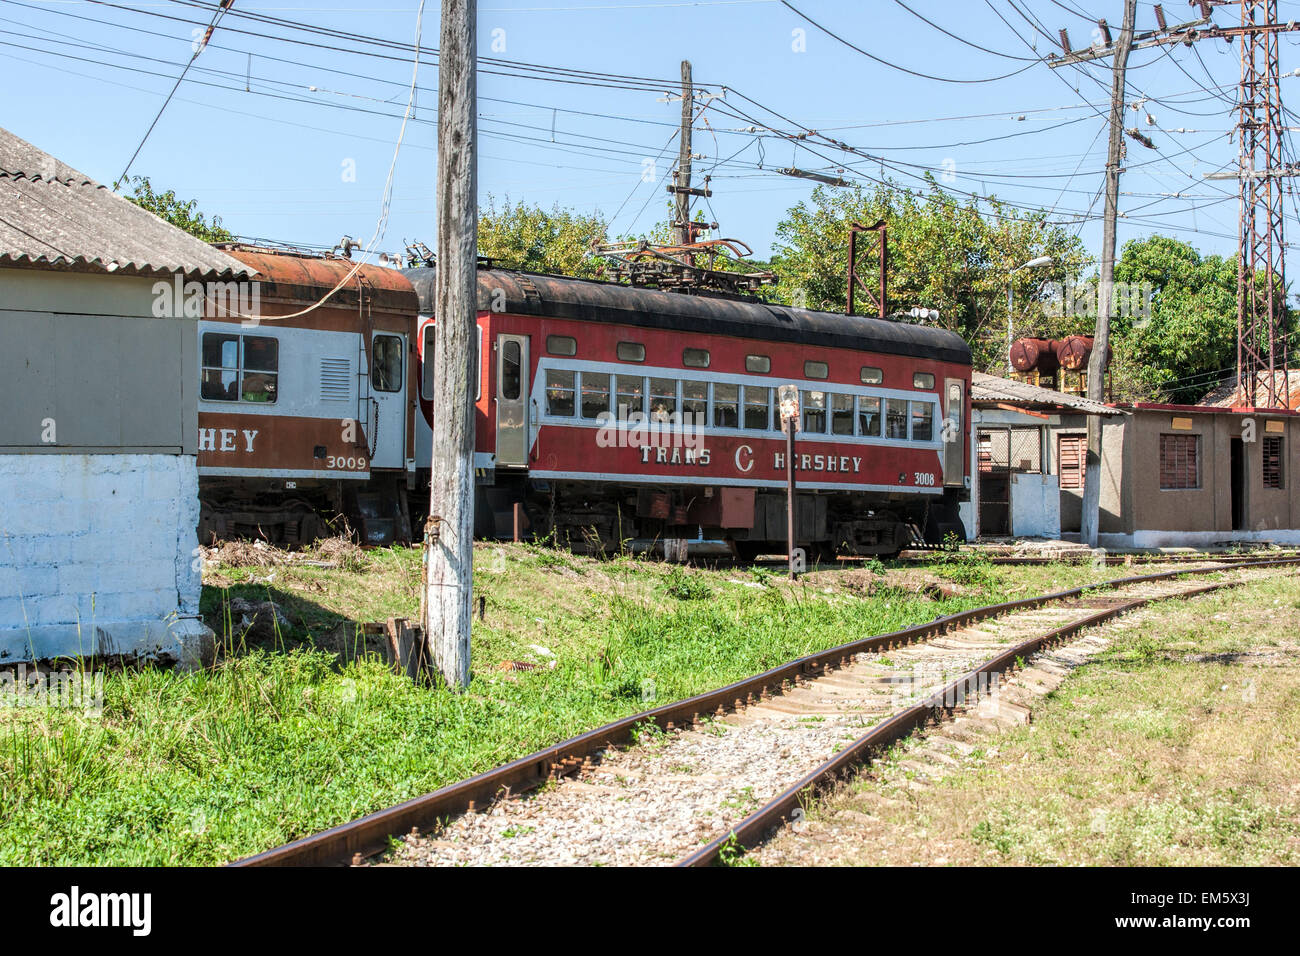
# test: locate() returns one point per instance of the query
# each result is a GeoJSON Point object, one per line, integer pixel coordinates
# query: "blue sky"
{"type": "Point", "coordinates": [84, 80]}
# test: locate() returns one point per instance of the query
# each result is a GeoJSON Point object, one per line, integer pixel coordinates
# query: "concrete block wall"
{"type": "Point", "coordinates": [97, 554]}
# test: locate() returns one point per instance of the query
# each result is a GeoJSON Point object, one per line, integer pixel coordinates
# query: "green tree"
{"type": "Point", "coordinates": [944, 254]}
{"type": "Point", "coordinates": [1184, 343]}
{"type": "Point", "coordinates": [179, 213]}
{"type": "Point", "coordinates": [520, 236]}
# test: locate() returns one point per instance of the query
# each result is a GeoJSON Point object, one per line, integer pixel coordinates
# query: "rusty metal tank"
{"type": "Point", "coordinates": [1033, 355]}
{"type": "Point", "coordinates": [1074, 351]}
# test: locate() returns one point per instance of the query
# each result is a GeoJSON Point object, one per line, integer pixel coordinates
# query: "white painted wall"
{"type": "Point", "coordinates": [1035, 506]}
{"type": "Point", "coordinates": [1197, 539]}
{"type": "Point", "coordinates": [98, 556]}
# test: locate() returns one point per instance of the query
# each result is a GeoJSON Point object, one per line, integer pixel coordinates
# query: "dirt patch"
{"type": "Point", "coordinates": [260, 621]}
{"type": "Point", "coordinates": [348, 641]}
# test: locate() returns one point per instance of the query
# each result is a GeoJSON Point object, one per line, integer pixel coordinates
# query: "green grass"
{"type": "Point", "coordinates": [290, 735]}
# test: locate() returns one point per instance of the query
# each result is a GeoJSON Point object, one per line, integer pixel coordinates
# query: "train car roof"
{"type": "Point", "coordinates": [303, 279]}
{"type": "Point", "coordinates": [548, 296]}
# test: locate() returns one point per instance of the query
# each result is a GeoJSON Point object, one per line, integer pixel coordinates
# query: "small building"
{"type": "Point", "coordinates": [1199, 475]}
{"type": "Point", "coordinates": [1028, 458]}
{"type": "Point", "coordinates": [98, 383]}
{"type": "Point", "coordinates": [1171, 475]}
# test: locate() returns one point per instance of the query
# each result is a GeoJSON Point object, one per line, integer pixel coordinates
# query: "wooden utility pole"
{"type": "Point", "coordinates": [683, 176]}
{"type": "Point", "coordinates": [449, 533]}
{"type": "Point", "coordinates": [1262, 316]}
{"type": "Point", "coordinates": [1106, 288]}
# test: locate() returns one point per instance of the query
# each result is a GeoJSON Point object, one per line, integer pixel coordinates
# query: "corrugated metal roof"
{"type": "Point", "coordinates": [1231, 395]}
{"type": "Point", "coordinates": [992, 388]}
{"type": "Point", "coordinates": [53, 217]}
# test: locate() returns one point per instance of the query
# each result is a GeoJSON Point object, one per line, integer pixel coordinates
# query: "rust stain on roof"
{"type": "Point", "coordinates": [298, 278]}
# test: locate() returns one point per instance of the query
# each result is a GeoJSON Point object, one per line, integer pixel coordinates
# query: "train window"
{"type": "Point", "coordinates": [386, 367]}
{"type": "Point", "coordinates": [239, 368]}
{"type": "Point", "coordinates": [758, 399]}
{"type": "Point", "coordinates": [630, 352]}
{"type": "Point", "coordinates": [814, 412]}
{"type": "Point", "coordinates": [923, 380]}
{"type": "Point", "coordinates": [726, 405]}
{"type": "Point", "coordinates": [922, 421]}
{"type": "Point", "coordinates": [695, 358]}
{"type": "Point", "coordinates": [220, 367]}
{"type": "Point", "coordinates": [841, 414]}
{"type": "Point", "coordinates": [430, 353]}
{"type": "Point", "coordinates": [663, 399]}
{"type": "Point", "coordinates": [260, 372]}
{"type": "Point", "coordinates": [631, 394]}
{"type": "Point", "coordinates": [426, 368]}
{"type": "Point", "coordinates": [868, 417]}
{"type": "Point", "coordinates": [896, 418]}
{"type": "Point", "coordinates": [511, 371]}
{"type": "Point", "coordinates": [695, 403]}
{"type": "Point", "coordinates": [816, 369]}
{"type": "Point", "coordinates": [595, 394]}
{"type": "Point", "coordinates": [562, 345]}
{"type": "Point", "coordinates": [872, 376]}
{"type": "Point", "coordinates": [559, 391]}
{"type": "Point", "coordinates": [761, 364]}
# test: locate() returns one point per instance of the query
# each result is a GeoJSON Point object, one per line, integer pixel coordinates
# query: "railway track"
{"type": "Point", "coordinates": [1079, 556]}
{"type": "Point", "coordinates": [720, 770]}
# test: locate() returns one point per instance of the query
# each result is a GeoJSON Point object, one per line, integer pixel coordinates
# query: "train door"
{"type": "Point", "coordinates": [954, 434]}
{"type": "Point", "coordinates": [388, 393]}
{"type": "Point", "coordinates": [512, 400]}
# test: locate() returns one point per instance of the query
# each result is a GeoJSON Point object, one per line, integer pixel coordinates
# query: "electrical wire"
{"type": "Point", "coordinates": [894, 66]}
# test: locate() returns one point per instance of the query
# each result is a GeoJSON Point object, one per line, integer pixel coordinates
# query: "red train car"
{"type": "Point", "coordinates": [612, 413]}
{"type": "Point", "coordinates": [306, 404]}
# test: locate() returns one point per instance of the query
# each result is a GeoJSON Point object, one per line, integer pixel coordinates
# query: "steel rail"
{"type": "Point", "coordinates": [370, 834]}
{"type": "Point", "coordinates": [1072, 558]}
{"type": "Point", "coordinates": [756, 827]}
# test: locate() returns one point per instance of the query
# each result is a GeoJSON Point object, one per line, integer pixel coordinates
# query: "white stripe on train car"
{"type": "Point", "coordinates": [236, 472]}
{"type": "Point", "coordinates": [745, 482]}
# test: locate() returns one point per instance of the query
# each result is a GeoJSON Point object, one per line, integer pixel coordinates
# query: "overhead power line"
{"type": "Point", "coordinates": [894, 66]}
